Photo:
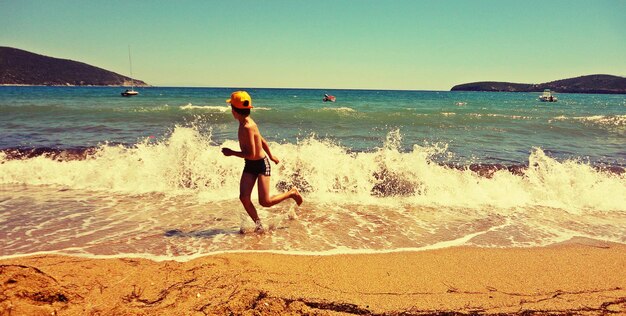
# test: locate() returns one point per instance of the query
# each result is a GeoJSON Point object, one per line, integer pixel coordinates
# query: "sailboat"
{"type": "Point", "coordinates": [130, 92]}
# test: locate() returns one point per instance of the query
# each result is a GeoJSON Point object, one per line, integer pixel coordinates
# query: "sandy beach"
{"type": "Point", "coordinates": [578, 277]}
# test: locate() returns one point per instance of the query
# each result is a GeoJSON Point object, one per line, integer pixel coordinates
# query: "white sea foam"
{"type": "Point", "coordinates": [176, 199]}
{"type": "Point", "coordinates": [190, 162]}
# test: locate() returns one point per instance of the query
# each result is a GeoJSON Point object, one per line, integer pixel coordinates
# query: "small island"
{"type": "Point", "coordinates": [601, 84]}
{"type": "Point", "coordinates": [20, 67]}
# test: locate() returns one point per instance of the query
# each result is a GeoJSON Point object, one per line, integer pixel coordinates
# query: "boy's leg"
{"type": "Point", "coordinates": [264, 193]}
{"type": "Point", "coordinates": [245, 190]}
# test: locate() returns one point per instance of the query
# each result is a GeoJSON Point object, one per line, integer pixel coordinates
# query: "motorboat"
{"type": "Point", "coordinates": [547, 96]}
{"type": "Point", "coordinates": [329, 98]}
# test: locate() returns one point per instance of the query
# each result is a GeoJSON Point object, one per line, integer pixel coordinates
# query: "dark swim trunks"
{"type": "Point", "coordinates": [258, 167]}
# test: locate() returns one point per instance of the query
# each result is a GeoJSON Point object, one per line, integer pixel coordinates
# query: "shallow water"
{"type": "Point", "coordinates": [86, 173]}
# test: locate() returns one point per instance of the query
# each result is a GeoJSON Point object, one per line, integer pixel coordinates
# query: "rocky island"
{"type": "Point", "coordinates": [20, 67]}
{"type": "Point", "coordinates": [606, 84]}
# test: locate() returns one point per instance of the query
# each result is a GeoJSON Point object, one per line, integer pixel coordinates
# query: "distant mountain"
{"type": "Point", "coordinates": [584, 84]}
{"type": "Point", "coordinates": [19, 67]}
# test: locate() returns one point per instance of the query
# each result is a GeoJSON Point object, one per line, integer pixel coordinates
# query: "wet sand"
{"type": "Point", "coordinates": [578, 277]}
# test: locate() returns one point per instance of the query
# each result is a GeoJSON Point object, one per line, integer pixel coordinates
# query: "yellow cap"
{"type": "Point", "coordinates": [238, 99]}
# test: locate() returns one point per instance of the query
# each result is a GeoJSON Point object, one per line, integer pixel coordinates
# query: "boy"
{"type": "Point", "coordinates": [257, 166]}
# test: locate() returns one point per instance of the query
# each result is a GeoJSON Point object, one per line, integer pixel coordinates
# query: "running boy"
{"type": "Point", "coordinates": [257, 166]}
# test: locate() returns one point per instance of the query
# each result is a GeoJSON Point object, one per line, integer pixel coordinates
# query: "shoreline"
{"type": "Point", "coordinates": [579, 276]}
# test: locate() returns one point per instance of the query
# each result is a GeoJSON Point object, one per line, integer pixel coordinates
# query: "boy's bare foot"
{"type": "Point", "coordinates": [296, 196]}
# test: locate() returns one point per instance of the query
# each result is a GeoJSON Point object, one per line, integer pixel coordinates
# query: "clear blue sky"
{"type": "Point", "coordinates": [409, 44]}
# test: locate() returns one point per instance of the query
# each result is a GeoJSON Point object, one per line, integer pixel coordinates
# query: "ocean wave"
{"type": "Point", "coordinates": [515, 117]}
{"type": "Point", "coordinates": [189, 161]}
{"type": "Point", "coordinates": [214, 108]}
{"type": "Point", "coordinates": [612, 120]}
{"type": "Point", "coordinates": [338, 109]}
{"type": "Point", "coordinates": [603, 120]}
{"type": "Point", "coordinates": [143, 109]}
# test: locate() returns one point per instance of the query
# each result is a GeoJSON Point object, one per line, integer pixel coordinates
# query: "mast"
{"type": "Point", "coordinates": [130, 61]}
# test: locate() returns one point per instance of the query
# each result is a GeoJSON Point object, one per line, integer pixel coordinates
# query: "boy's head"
{"type": "Point", "coordinates": [241, 102]}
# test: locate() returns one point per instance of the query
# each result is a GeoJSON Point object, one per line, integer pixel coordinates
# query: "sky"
{"type": "Point", "coordinates": [344, 44]}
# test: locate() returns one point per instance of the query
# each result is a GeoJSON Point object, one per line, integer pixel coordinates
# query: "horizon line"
{"type": "Point", "coordinates": [212, 87]}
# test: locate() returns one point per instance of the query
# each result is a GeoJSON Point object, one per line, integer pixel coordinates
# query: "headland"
{"type": "Point", "coordinates": [601, 84]}
{"type": "Point", "coordinates": [22, 68]}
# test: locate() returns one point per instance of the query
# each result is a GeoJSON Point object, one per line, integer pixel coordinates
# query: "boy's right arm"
{"type": "Point", "coordinates": [227, 151]}
{"type": "Point", "coordinates": [246, 142]}
{"type": "Point", "coordinates": [230, 152]}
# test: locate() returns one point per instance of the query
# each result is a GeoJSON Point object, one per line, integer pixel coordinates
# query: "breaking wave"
{"type": "Point", "coordinates": [188, 161]}
{"type": "Point", "coordinates": [602, 120]}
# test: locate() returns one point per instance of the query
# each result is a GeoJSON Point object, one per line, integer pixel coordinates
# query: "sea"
{"type": "Point", "coordinates": [86, 172]}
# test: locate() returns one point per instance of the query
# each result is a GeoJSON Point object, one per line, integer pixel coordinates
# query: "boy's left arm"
{"type": "Point", "coordinates": [266, 147]}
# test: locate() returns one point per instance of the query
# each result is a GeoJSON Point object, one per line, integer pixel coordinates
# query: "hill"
{"type": "Point", "coordinates": [585, 84]}
{"type": "Point", "coordinates": [19, 67]}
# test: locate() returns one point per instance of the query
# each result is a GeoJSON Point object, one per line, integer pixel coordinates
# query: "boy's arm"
{"type": "Point", "coordinates": [246, 142]}
{"type": "Point", "coordinates": [266, 147]}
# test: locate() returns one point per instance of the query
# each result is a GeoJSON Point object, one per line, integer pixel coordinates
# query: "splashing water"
{"type": "Point", "coordinates": [189, 162]}
{"type": "Point", "coordinates": [177, 197]}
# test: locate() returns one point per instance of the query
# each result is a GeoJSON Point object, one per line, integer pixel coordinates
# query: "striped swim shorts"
{"type": "Point", "coordinates": [258, 167]}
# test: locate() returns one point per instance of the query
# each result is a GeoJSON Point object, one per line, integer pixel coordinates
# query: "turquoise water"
{"type": "Point", "coordinates": [477, 127]}
{"type": "Point", "coordinates": [84, 171]}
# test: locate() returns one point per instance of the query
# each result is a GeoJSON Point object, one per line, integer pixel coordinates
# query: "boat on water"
{"type": "Point", "coordinates": [130, 92]}
{"type": "Point", "coordinates": [547, 96]}
{"type": "Point", "coordinates": [329, 98]}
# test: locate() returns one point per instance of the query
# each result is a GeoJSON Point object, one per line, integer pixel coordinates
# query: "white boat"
{"type": "Point", "coordinates": [130, 92]}
{"type": "Point", "coordinates": [547, 96]}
